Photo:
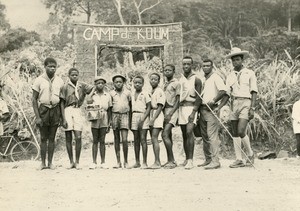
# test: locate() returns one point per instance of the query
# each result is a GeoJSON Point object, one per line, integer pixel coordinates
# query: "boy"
{"type": "Point", "coordinates": [121, 109]}
{"type": "Point", "coordinates": [72, 94]}
{"type": "Point", "coordinates": [47, 109]}
{"type": "Point", "coordinates": [4, 112]}
{"type": "Point", "coordinates": [141, 106]}
{"type": "Point", "coordinates": [296, 125]}
{"type": "Point", "coordinates": [172, 92]}
{"type": "Point", "coordinates": [242, 86]}
{"type": "Point", "coordinates": [100, 116]}
{"type": "Point", "coordinates": [156, 122]}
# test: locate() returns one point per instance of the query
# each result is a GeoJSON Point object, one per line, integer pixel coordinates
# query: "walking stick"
{"type": "Point", "coordinates": [247, 158]}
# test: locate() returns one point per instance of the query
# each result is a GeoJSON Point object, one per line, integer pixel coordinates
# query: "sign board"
{"type": "Point", "coordinates": [88, 37]}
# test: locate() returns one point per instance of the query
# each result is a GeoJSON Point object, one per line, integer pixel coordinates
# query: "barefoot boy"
{"type": "Point", "coordinates": [121, 101]}
{"type": "Point", "coordinates": [100, 116]}
{"type": "Point", "coordinates": [141, 106]}
{"type": "Point", "coordinates": [72, 95]}
{"type": "Point", "coordinates": [47, 109]}
{"type": "Point", "coordinates": [172, 92]}
{"type": "Point", "coordinates": [158, 100]}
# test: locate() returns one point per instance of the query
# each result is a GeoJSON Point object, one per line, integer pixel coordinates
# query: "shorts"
{"type": "Point", "coordinates": [120, 121]}
{"type": "Point", "coordinates": [74, 119]}
{"type": "Point", "coordinates": [240, 109]}
{"type": "Point", "coordinates": [50, 116]}
{"type": "Point", "coordinates": [102, 120]}
{"type": "Point", "coordinates": [174, 117]}
{"type": "Point", "coordinates": [159, 121]}
{"type": "Point", "coordinates": [183, 115]}
{"type": "Point", "coordinates": [136, 119]}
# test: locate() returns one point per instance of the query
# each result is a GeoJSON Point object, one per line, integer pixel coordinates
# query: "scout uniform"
{"type": "Point", "coordinates": [172, 89]}
{"type": "Point", "coordinates": [157, 97]}
{"type": "Point", "coordinates": [139, 106]}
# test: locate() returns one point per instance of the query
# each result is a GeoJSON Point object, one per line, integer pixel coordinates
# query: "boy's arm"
{"type": "Point", "coordinates": [156, 114]}
{"type": "Point", "coordinates": [35, 96]}
{"type": "Point", "coordinates": [198, 87]}
{"type": "Point", "coordinates": [62, 104]}
{"type": "Point", "coordinates": [109, 117]}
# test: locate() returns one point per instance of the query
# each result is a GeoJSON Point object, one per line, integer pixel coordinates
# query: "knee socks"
{"type": "Point", "coordinates": [247, 145]}
{"type": "Point", "coordinates": [237, 143]}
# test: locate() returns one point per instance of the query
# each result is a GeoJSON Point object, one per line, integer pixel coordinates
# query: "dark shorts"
{"type": "Point", "coordinates": [50, 116]}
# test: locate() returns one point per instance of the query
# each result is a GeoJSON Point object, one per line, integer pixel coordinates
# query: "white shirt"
{"type": "Point", "coordinates": [212, 86]}
{"type": "Point", "coordinates": [3, 110]}
{"type": "Point", "coordinates": [296, 117]}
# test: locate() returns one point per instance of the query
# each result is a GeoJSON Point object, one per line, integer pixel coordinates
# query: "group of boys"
{"type": "Point", "coordinates": [179, 102]}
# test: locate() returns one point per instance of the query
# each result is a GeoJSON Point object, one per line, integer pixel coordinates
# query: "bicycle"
{"type": "Point", "coordinates": [17, 149]}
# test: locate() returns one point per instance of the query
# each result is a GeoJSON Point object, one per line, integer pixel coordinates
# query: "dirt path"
{"type": "Point", "coordinates": [274, 185]}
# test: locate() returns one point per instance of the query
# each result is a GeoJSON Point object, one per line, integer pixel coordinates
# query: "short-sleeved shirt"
{"type": "Point", "coordinates": [242, 83]}
{"type": "Point", "coordinates": [120, 101]}
{"type": "Point", "coordinates": [3, 110]}
{"type": "Point", "coordinates": [140, 103]}
{"type": "Point", "coordinates": [68, 93]}
{"type": "Point", "coordinates": [172, 89]}
{"type": "Point", "coordinates": [48, 89]}
{"type": "Point", "coordinates": [158, 97]}
{"type": "Point", "coordinates": [103, 100]}
{"type": "Point", "coordinates": [212, 85]}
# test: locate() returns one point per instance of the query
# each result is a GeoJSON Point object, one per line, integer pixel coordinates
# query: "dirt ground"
{"type": "Point", "coordinates": [272, 185]}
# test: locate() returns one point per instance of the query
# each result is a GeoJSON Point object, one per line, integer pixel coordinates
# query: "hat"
{"type": "Point", "coordinates": [119, 75]}
{"type": "Point", "coordinates": [97, 78]}
{"type": "Point", "coordinates": [237, 51]}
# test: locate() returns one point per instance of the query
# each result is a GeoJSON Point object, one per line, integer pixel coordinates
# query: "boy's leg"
{"type": "Point", "coordinates": [237, 143]}
{"type": "Point", "coordinates": [124, 135]}
{"type": "Point", "coordinates": [143, 138]}
{"type": "Point", "coordinates": [167, 138]}
{"type": "Point", "coordinates": [51, 145]}
{"type": "Point", "coordinates": [190, 145]}
{"type": "Point", "coordinates": [69, 148]}
{"type": "Point", "coordinates": [117, 147]}
{"type": "Point", "coordinates": [102, 134]}
{"type": "Point", "coordinates": [78, 145]}
{"type": "Point", "coordinates": [44, 131]}
{"type": "Point", "coordinates": [206, 144]}
{"type": "Point", "coordinates": [95, 133]}
{"type": "Point", "coordinates": [298, 143]}
{"type": "Point", "coordinates": [137, 143]}
{"type": "Point", "coordinates": [156, 149]}
{"type": "Point", "coordinates": [184, 137]}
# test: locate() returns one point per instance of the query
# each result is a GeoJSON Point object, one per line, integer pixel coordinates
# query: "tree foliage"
{"type": "Point", "coordinates": [4, 25]}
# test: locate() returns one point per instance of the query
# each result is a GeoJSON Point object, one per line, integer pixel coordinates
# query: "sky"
{"type": "Point", "coordinates": [25, 13]}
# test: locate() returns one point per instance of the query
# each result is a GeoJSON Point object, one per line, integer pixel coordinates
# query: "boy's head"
{"type": "Point", "coordinates": [154, 79]}
{"type": "Point", "coordinates": [50, 66]}
{"type": "Point", "coordinates": [118, 81]}
{"type": "Point", "coordinates": [187, 63]}
{"type": "Point", "coordinates": [169, 70]}
{"type": "Point", "coordinates": [138, 83]}
{"type": "Point", "coordinates": [100, 83]}
{"type": "Point", "coordinates": [73, 75]}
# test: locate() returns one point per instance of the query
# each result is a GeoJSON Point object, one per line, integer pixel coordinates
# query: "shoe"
{"type": "Point", "coordinates": [71, 166]}
{"type": "Point", "coordinates": [93, 166]}
{"type": "Point", "coordinates": [42, 167]}
{"type": "Point", "coordinates": [144, 166]}
{"type": "Point", "coordinates": [118, 166]}
{"type": "Point", "coordinates": [212, 165]}
{"type": "Point", "coordinates": [155, 166]}
{"type": "Point", "coordinates": [103, 166]}
{"type": "Point", "coordinates": [237, 164]}
{"type": "Point", "coordinates": [184, 163]}
{"type": "Point", "coordinates": [78, 166]}
{"type": "Point", "coordinates": [126, 166]}
{"type": "Point", "coordinates": [189, 165]}
{"type": "Point", "coordinates": [136, 165]}
{"type": "Point", "coordinates": [170, 165]}
{"type": "Point", "coordinates": [251, 158]}
{"type": "Point", "coordinates": [52, 167]}
{"type": "Point", "coordinates": [206, 162]}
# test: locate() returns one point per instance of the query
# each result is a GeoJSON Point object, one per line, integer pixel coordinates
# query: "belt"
{"type": "Point", "coordinates": [168, 106]}
{"type": "Point", "coordinates": [205, 107]}
{"type": "Point", "coordinates": [186, 103]}
{"type": "Point", "coordinates": [138, 112]}
{"type": "Point", "coordinates": [74, 105]}
{"type": "Point", "coordinates": [239, 98]}
{"type": "Point", "coordinates": [120, 113]}
{"type": "Point", "coordinates": [49, 105]}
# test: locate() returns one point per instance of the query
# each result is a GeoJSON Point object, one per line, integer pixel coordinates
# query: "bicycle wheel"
{"type": "Point", "coordinates": [24, 150]}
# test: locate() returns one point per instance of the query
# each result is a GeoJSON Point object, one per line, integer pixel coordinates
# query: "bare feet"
{"type": "Point", "coordinates": [71, 166]}
{"type": "Point", "coordinates": [78, 167]}
{"type": "Point", "coordinates": [42, 167]}
{"type": "Point", "coordinates": [189, 165]}
{"type": "Point", "coordinates": [51, 166]}
{"type": "Point", "coordinates": [126, 166]}
{"type": "Point", "coordinates": [184, 163]}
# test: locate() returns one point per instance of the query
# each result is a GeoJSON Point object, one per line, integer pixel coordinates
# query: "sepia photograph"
{"type": "Point", "coordinates": [150, 105]}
